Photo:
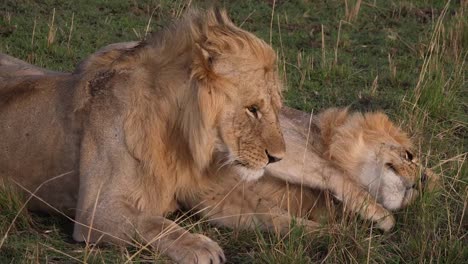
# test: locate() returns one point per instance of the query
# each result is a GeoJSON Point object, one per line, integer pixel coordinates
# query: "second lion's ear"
{"type": "Point", "coordinates": [202, 66]}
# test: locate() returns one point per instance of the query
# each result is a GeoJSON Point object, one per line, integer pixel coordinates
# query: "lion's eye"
{"type": "Point", "coordinates": [390, 166]}
{"type": "Point", "coordinates": [409, 156]}
{"type": "Point", "coordinates": [253, 111]}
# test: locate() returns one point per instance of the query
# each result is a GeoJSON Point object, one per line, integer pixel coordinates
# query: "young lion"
{"type": "Point", "coordinates": [364, 160]}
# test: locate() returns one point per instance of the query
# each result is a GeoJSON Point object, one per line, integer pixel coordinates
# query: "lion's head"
{"type": "Point", "coordinates": [222, 91]}
{"type": "Point", "coordinates": [240, 94]}
{"type": "Point", "coordinates": [378, 155]}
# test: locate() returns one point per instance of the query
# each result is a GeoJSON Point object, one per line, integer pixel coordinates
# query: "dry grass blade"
{"type": "Point", "coordinates": [52, 30]}
{"type": "Point", "coordinates": [26, 203]}
{"type": "Point", "coordinates": [70, 32]}
{"type": "Point", "coordinates": [432, 48]}
{"type": "Point", "coordinates": [63, 253]}
{"type": "Point", "coordinates": [271, 20]}
{"type": "Point", "coordinates": [352, 11]}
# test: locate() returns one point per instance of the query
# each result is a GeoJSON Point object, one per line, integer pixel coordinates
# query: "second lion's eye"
{"type": "Point", "coordinates": [409, 156]}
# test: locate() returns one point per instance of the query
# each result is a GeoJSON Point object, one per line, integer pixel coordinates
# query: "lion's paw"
{"type": "Point", "coordinates": [196, 248]}
{"type": "Point", "coordinates": [310, 226]}
{"type": "Point", "coordinates": [386, 223]}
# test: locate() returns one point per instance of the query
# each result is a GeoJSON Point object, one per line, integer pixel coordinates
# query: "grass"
{"type": "Point", "coordinates": [407, 58]}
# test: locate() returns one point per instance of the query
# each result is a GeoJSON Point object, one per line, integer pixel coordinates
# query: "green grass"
{"type": "Point", "coordinates": [407, 58]}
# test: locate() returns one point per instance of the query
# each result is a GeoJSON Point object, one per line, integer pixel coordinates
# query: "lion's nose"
{"type": "Point", "coordinates": [272, 159]}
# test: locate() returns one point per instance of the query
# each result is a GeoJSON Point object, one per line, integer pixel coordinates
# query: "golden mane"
{"type": "Point", "coordinates": [345, 133]}
{"type": "Point", "coordinates": [174, 114]}
{"type": "Point", "coordinates": [380, 122]}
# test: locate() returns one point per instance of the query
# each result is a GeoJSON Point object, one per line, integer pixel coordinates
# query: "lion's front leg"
{"type": "Point", "coordinates": [106, 211]}
{"type": "Point", "coordinates": [319, 173]}
{"type": "Point", "coordinates": [118, 222]}
{"type": "Point", "coordinates": [268, 204]}
{"type": "Point", "coordinates": [356, 199]}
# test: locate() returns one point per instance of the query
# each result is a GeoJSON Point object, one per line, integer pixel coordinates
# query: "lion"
{"type": "Point", "coordinates": [364, 160]}
{"type": "Point", "coordinates": [120, 144]}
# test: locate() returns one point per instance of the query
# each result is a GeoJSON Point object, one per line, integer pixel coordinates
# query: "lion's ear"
{"type": "Point", "coordinates": [202, 67]}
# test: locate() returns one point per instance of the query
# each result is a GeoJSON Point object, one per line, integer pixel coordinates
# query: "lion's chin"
{"type": "Point", "coordinates": [393, 201]}
{"type": "Point", "coordinates": [248, 174]}
{"type": "Point", "coordinates": [399, 199]}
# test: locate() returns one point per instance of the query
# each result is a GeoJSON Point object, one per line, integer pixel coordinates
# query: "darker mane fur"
{"type": "Point", "coordinates": [211, 31]}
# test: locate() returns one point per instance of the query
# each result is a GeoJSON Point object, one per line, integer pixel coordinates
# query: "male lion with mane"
{"type": "Point", "coordinates": [364, 160]}
{"type": "Point", "coordinates": [140, 132]}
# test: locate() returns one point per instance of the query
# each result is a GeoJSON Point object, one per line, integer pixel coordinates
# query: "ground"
{"type": "Point", "coordinates": [407, 58]}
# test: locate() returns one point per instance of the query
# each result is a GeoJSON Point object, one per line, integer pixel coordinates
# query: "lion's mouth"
{"type": "Point", "coordinates": [247, 173]}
